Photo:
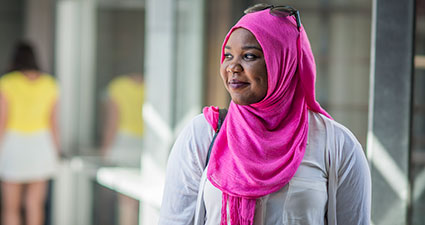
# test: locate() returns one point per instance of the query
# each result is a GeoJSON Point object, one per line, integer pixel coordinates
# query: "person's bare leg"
{"type": "Point", "coordinates": [34, 202]}
{"type": "Point", "coordinates": [11, 203]}
{"type": "Point", "coordinates": [128, 210]}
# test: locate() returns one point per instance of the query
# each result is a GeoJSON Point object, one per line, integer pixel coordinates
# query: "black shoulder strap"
{"type": "Point", "coordinates": [221, 117]}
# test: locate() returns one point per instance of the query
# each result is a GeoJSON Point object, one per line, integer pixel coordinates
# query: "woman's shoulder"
{"type": "Point", "coordinates": [9, 81]}
{"type": "Point", "coordinates": [199, 127]}
{"type": "Point", "coordinates": [341, 134]}
{"type": "Point", "coordinates": [119, 81]}
{"type": "Point", "coordinates": [343, 146]}
{"type": "Point", "coordinates": [199, 120]}
{"type": "Point", "coordinates": [192, 142]}
{"type": "Point", "coordinates": [10, 76]}
{"type": "Point", "coordinates": [196, 132]}
{"type": "Point", "coordinates": [48, 77]}
{"type": "Point", "coordinates": [48, 83]}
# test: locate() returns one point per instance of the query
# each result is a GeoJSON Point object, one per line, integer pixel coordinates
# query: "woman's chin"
{"type": "Point", "coordinates": [240, 101]}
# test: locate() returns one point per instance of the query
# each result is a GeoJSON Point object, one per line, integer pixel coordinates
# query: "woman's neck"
{"type": "Point", "coordinates": [138, 78]}
{"type": "Point", "coordinates": [31, 74]}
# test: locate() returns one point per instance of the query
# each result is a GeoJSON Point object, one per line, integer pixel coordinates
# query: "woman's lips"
{"type": "Point", "coordinates": [234, 84]}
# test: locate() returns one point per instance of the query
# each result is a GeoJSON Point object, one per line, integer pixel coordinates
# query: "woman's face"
{"type": "Point", "coordinates": [244, 70]}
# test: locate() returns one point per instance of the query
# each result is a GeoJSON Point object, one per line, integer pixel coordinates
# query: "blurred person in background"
{"type": "Point", "coordinates": [123, 133]}
{"type": "Point", "coordinates": [29, 137]}
{"type": "Point", "coordinates": [277, 157]}
{"type": "Point", "coordinates": [123, 126]}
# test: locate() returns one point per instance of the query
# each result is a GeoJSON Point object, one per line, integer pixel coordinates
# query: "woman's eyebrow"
{"type": "Point", "coordinates": [246, 47]}
{"type": "Point", "coordinates": [252, 47]}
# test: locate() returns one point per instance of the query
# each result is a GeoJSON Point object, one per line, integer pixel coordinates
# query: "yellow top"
{"type": "Point", "coordinates": [30, 102]}
{"type": "Point", "coordinates": [129, 97]}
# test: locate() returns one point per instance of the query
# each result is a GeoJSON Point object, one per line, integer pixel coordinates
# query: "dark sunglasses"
{"type": "Point", "coordinates": [279, 10]}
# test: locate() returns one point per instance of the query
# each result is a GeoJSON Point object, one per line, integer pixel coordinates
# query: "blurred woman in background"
{"type": "Point", "coordinates": [29, 138]}
{"type": "Point", "coordinates": [122, 137]}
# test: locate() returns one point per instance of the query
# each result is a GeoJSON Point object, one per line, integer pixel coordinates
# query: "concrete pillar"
{"type": "Point", "coordinates": [390, 113]}
{"type": "Point", "coordinates": [67, 53]}
{"type": "Point", "coordinates": [74, 59]}
{"type": "Point", "coordinates": [75, 65]}
{"type": "Point", "coordinates": [160, 76]}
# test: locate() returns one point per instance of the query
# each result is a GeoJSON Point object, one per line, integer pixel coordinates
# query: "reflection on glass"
{"type": "Point", "coordinates": [119, 83]}
{"type": "Point", "coordinates": [119, 94]}
{"type": "Point", "coordinates": [123, 125]}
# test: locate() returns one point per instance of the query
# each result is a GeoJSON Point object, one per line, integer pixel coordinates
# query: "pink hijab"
{"type": "Point", "coordinates": [260, 146]}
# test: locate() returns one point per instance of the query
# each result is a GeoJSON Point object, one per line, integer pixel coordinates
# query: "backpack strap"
{"type": "Point", "coordinates": [221, 116]}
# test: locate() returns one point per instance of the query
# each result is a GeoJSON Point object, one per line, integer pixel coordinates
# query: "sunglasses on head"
{"type": "Point", "coordinates": [279, 10]}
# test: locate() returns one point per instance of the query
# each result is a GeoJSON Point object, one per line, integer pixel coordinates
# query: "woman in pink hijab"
{"type": "Point", "coordinates": [278, 157]}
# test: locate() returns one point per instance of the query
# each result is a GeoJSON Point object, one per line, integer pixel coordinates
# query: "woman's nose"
{"type": "Point", "coordinates": [234, 68]}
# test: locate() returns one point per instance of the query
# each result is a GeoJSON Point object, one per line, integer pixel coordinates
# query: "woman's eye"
{"type": "Point", "coordinates": [250, 56]}
{"type": "Point", "coordinates": [227, 56]}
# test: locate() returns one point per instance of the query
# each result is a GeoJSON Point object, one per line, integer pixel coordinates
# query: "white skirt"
{"type": "Point", "coordinates": [126, 150]}
{"type": "Point", "coordinates": [27, 157]}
